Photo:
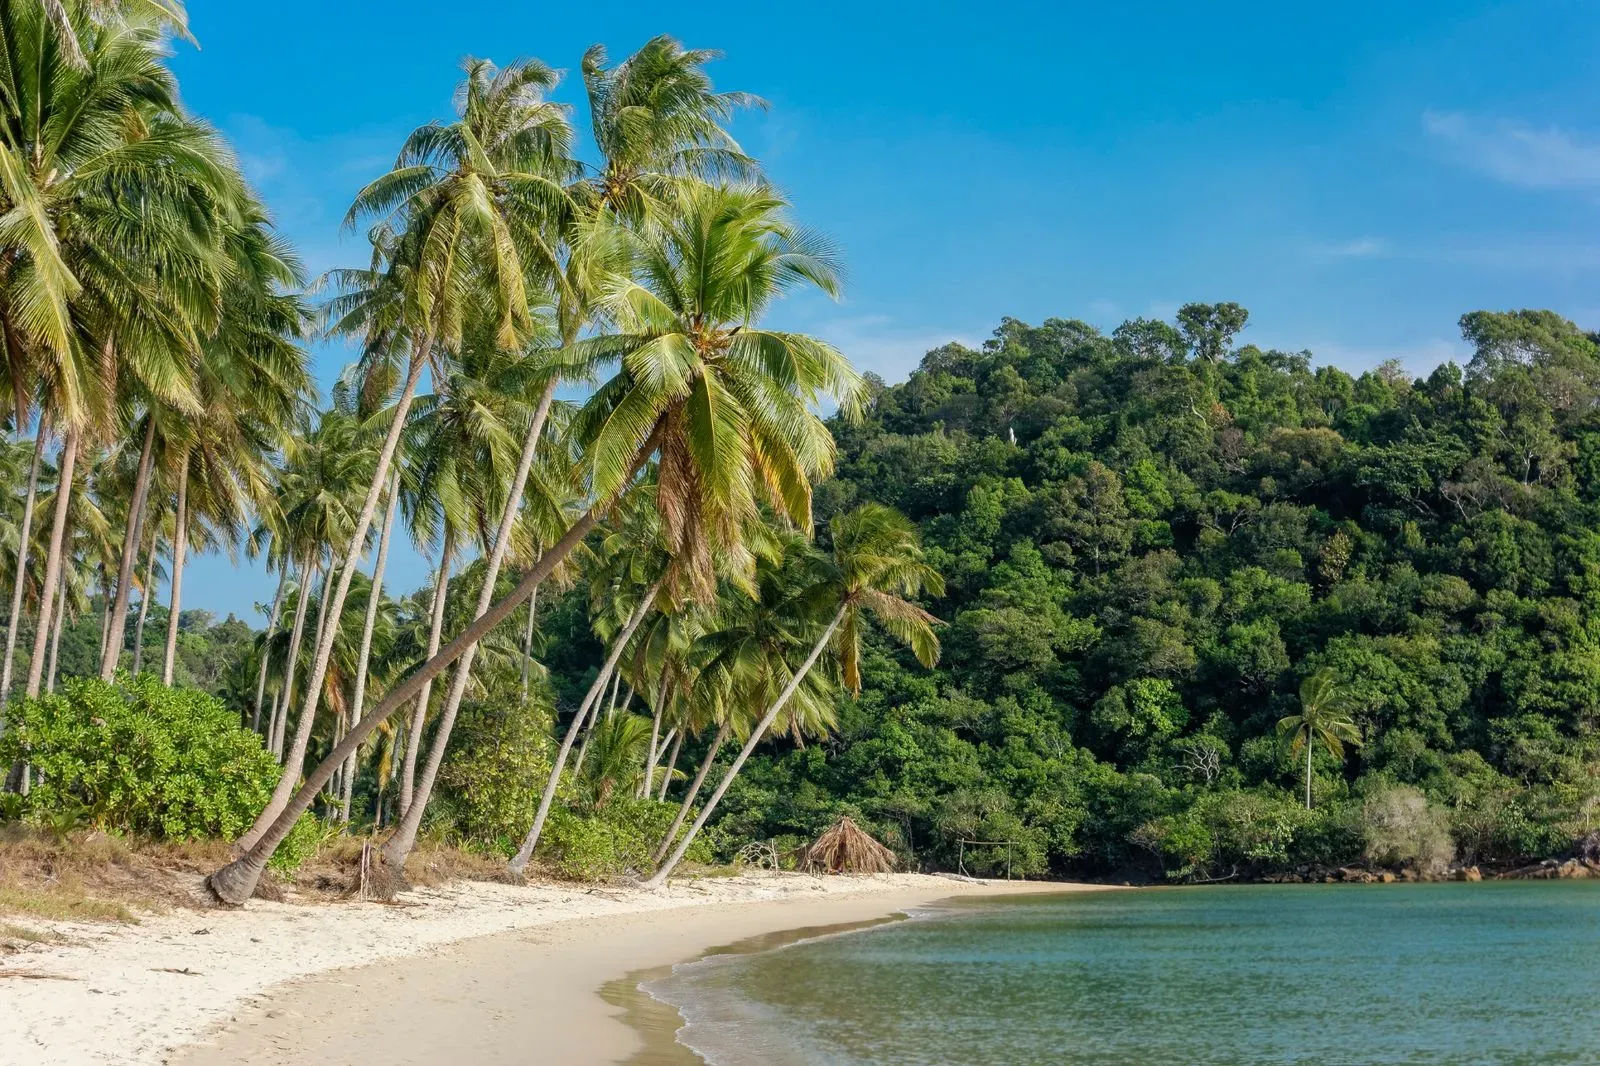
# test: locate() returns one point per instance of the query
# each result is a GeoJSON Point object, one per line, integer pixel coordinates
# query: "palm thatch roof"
{"type": "Point", "coordinates": [847, 848]}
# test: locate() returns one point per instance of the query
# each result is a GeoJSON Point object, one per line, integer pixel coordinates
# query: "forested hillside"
{"type": "Point", "coordinates": [1152, 539]}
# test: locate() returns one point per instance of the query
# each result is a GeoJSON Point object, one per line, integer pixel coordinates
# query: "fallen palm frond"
{"type": "Point", "coordinates": [847, 848]}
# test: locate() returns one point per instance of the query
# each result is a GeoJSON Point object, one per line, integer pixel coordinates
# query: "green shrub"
{"type": "Point", "coordinates": [497, 764]}
{"type": "Point", "coordinates": [138, 757]}
{"type": "Point", "coordinates": [612, 841]}
{"type": "Point", "coordinates": [306, 838]}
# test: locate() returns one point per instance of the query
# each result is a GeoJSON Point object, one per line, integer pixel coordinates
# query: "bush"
{"type": "Point", "coordinates": [612, 841]}
{"type": "Point", "coordinates": [306, 838]}
{"type": "Point", "coordinates": [1402, 829]}
{"type": "Point", "coordinates": [138, 757]}
{"type": "Point", "coordinates": [496, 766]}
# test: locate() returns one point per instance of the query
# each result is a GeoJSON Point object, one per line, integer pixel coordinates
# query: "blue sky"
{"type": "Point", "coordinates": [1357, 175]}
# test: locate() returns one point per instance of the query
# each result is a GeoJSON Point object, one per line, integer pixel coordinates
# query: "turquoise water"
{"type": "Point", "coordinates": [1503, 972]}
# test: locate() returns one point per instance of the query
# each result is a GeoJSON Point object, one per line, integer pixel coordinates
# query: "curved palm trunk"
{"type": "Point", "coordinates": [144, 611]}
{"type": "Point", "coordinates": [55, 638]}
{"type": "Point", "coordinates": [755, 738]}
{"type": "Point", "coordinates": [404, 838]}
{"type": "Point", "coordinates": [180, 545]}
{"type": "Point", "coordinates": [590, 705]}
{"type": "Point", "coordinates": [347, 569]}
{"type": "Point", "coordinates": [266, 641]}
{"type": "Point", "coordinates": [52, 566]}
{"type": "Point", "coordinates": [308, 575]}
{"type": "Point", "coordinates": [112, 652]}
{"type": "Point", "coordinates": [694, 791]}
{"type": "Point", "coordinates": [236, 882]}
{"type": "Point", "coordinates": [672, 766]}
{"type": "Point", "coordinates": [419, 716]}
{"type": "Point", "coordinates": [374, 599]}
{"type": "Point", "coordinates": [14, 619]}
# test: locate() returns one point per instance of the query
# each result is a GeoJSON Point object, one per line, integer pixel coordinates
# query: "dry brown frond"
{"type": "Point", "coordinates": [847, 848]}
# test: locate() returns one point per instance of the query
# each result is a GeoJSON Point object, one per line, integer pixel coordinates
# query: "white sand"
{"type": "Point", "coordinates": [134, 994]}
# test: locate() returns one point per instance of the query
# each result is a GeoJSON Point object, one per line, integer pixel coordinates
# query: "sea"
{"type": "Point", "coordinates": [1495, 972]}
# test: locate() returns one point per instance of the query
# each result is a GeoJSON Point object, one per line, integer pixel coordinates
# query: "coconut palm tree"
{"type": "Point", "coordinates": [727, 406]}
{"type": "Point", "coordinates": [1324, 719]}
{"type": "Point", "coordinates": [875, 561]}
{"type": "Point", "coordinates": [461, 225]}
{"type": "Point", "coordinates": [117, 208]}
{"type": "Point", "coordinates": [656, 121]}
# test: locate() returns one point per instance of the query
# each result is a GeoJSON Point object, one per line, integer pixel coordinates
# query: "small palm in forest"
{"type": "Point", "coordinates": [1324, 718]}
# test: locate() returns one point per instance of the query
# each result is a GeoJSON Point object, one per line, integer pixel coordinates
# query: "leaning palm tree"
{"type": "Point", "coordinates": [460, 227]}
{"type": "Point", "coordinates": [875, 562]}
{"type": "Point", "coordinates": [727, 407]}
{"type": "Point", "coordinates": [657, 122]}
{"type": "Point", "coordinates": [1324, 719]}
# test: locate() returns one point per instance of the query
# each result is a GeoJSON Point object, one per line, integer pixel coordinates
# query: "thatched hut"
{"type": "Point", "coordinates": [847, 848]}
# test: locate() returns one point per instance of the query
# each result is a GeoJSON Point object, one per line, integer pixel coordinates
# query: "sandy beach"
{"type": "Point", "coordinates": [470, 973]}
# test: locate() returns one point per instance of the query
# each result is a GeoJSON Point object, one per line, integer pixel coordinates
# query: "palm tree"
{"type": "Point", "coordinates": [875, 561]}
{"type": "Point", "coordinates": [461, 226]}
{"type": "Point", "coordinates": [1324, 718]}
{"type": "Point", "coordinates": [729, 408]}
{"type": "Point", "coordinates": [656, 121]}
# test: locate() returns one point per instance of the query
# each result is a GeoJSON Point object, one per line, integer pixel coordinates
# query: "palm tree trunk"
{"type": "Point", "coordinates": [112, 652]}
{"type": "Point", "coordinates": [55, 638]}
{"type": "Point", "coordinates": [672, 765]}
{"type": "Point", "coordinates": [180, 547]}
{"type": "Point", "coordinates": [14, 619]}
{"type": "Point", "coordinates": [272, 717]}
{"type": "Point", "coordinates": [404, 838]}
{"type": "Point", "coordinates": [105, 611]}
{"type": "Point", "coordinates": [648, 784]}
{"type": "Point", "coordinates": [374, 600]}
{"type": "Point", "coordinates": [53, 562]}
{"type": "Point", "coordinates": [280, 718]}
{"type": "Point", "coordinates": [591, 704]}
{"type": "Point", "coordinates": [1308, 773]}
{"type": "Point", "coordinates": [527, 644]}
{"type": "Point", "coordinates": [234, 883]}
{"type": "Point", "coordinates": [694, 790]}
{"type": "Point", "coordinates": [347, 569]}
{"type": "Point", "coordinates": [419, 717]}
{"type": "Point", "coordinates": [594, 716]}
{"type": "Point", "coordinates": [144, 610]}
{"type": "Point", "coordinates": [296, 758]}
{"type": "Point", "coordinates": [266, 640]}
{"type": "Point", "coordinates": [755, 738]}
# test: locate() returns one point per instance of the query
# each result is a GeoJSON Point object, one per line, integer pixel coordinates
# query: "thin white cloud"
{"type": "Point", "coordinates": [1516, 152]}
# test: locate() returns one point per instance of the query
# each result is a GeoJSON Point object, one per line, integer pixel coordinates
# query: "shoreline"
{"type": "Point", "coordinates": [460, 973]}
{"type": "Point", "coordinates": [492, 1000]}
